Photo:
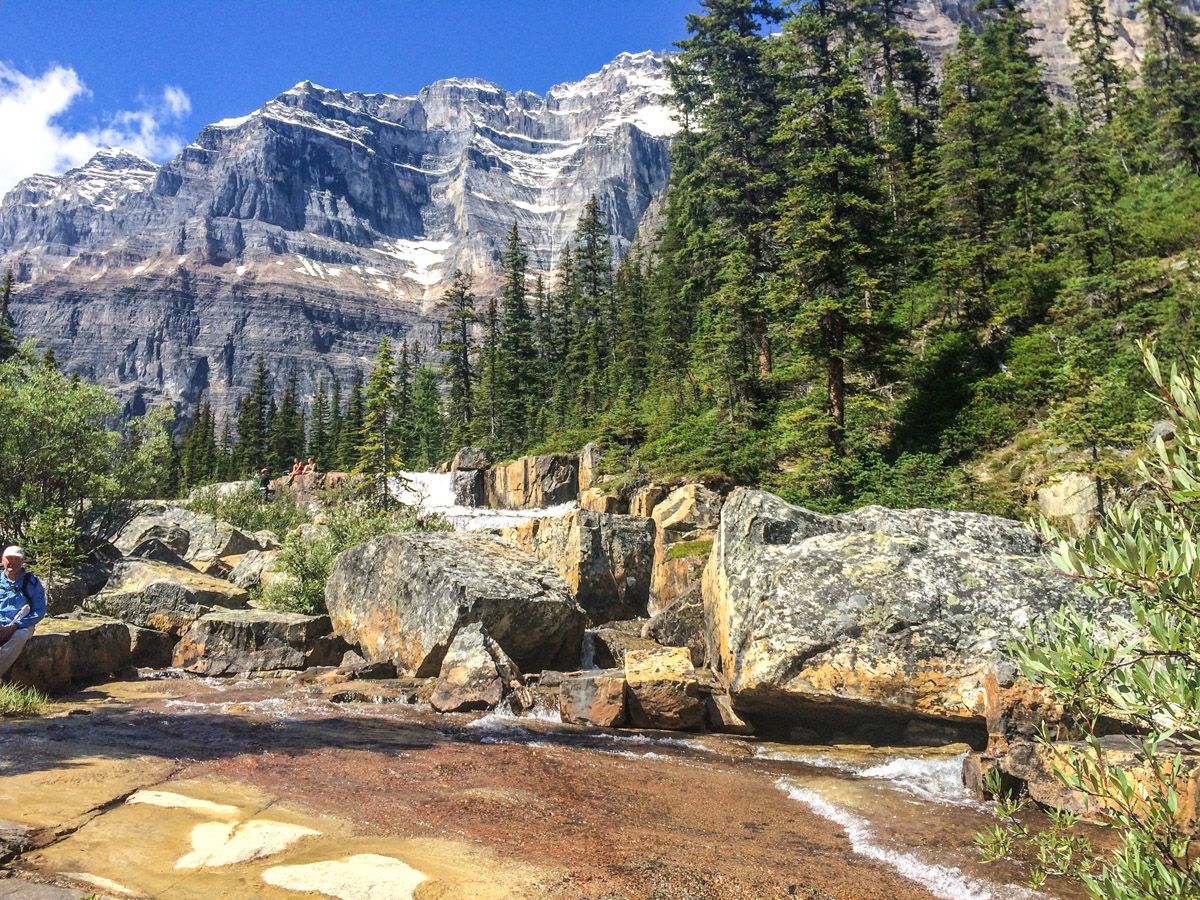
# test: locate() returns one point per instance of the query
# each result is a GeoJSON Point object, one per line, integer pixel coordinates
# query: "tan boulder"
{"type": "Point", "coordinates": [1071, 500]}
{"type": "Point", "coordinates": [532, 482]}
{"type": "Point", "coordinates": [70, 649]}
{"type": "Point", "coordinates": [663, 689]}
{"type": "Point", "coordinates": [605, 559]}
{"type": "Point", "coordinates": [685, 524]}
{"type": "Point", "coordinates": [594, 698]}
{"type": "Point", "coordinates": [597, 499]}
{"type": "Point", "coordinates": [589, 468]}
{"type": "Point", "coordinates": [163, 597]}
{"type": "Point", "coordinates": [476, 673]}
{"type": "Point", "coordinates": [642, 500]}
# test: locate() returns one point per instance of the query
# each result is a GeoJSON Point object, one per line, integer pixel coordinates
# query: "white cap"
{"type": "Point", "coordinates": [13, 550]}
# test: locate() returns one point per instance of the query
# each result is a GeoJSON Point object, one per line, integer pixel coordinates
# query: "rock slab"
{"type": "Point", "coordinates": [239, 641]}
{"type": "Point", "coordinates": [476, 673]}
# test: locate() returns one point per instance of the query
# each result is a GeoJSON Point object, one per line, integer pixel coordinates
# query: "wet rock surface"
{"type": "Point", "coordinates": [237, 779]}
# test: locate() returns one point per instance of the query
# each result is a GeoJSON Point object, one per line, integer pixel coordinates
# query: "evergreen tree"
{"type": "Point", "coordinates": [402, 430]}
{"type": "Point", "coordinates": [252, 451]}
{"type": "Point", "coordinates": [459, 346]}
{"type": "Point", "coordinates": [590, 355]}
{"type": "Point", "coordinates": [1171, 72]}
{"type": "Point", "coordinates": [723, 166]}
{"type": "Point", "coordinates": [8, 327]}
{"type": "Point", "coordinates": [378, 452]}
{"type": "Point", "coordinates": [428, 426]}
{"type": "Point", "coordinates": [515, 362]}
{"type": "Point", "coordinates": [336, 417]}
{"type": "Point", "coordinates": [350, 433]}
{"type": "Point", "coordinates": [286, 436]}
{"type": "Point", "coordinates": [1098, 80]}
{"type": "Point", "coordinates": [832, 223]}
{"type": "Point", "coordinates": [491, 381]}
{"type": "Point", "coordinates": [319, 428]}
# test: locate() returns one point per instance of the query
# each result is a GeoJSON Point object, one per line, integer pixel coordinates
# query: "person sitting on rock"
{"type": "Point", "coordinates": [22, 606]}
{"type": "Point", "coordinates": [308, 473]}
{"type": "Point", "coordinates": [297, 468]}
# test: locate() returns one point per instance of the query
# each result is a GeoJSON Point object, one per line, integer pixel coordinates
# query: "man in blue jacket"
{"type": "Point", "coordinates": [19, 590]}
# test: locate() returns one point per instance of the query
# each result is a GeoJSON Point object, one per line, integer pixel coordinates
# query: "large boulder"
{"type": "Point", "coordinates": [684, 525]}
{"type": "Point", "coordinates": [403, 597]}
{"type": "Point", "coordinates": [476, 673]}
{"type": "Point", "coordinates": [66, 591]}
{"type": "Point", "coordinates": [532, 482]}
{"type": "Point", "coordinates": [604, 559]}
{"type": "Point", "coordinates": [607, 645]}
{"type": "Point", "coordinates": [208, 538]}
{"type": "Point", "coordinates": [469, 486]}
{"type": "Point", "coordinates": [879, 613]}
{"type": "Point", "coordinates": [66, 650]}
{"type": "Point", "coordinates": [253, 568]}
{"type": "Point", "coordinates": [603, 498]}
{"type": "Point", "coordinates": [593, 698]}
{"type": "Point", "coordinates": [231, 642]}
{"type": "Point", "coordinates": [163, 597]}
{"type": "Point", "coordinates": [662, 689]}
{"type": "Point", "coordinates": [470, 459]}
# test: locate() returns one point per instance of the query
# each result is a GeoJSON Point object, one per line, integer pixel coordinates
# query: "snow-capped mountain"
{"type": "Point", "coordinates": [308, 228]}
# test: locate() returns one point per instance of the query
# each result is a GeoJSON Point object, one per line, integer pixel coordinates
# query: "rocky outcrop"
{"type": "Point", "coordinates": [878, 613]}
{"type": "Point", "coordinates": [319, 222]}
{"type": "Point", "coordinates": [470, 459]}
{"type": "Point", "coordinates": [603, 499]}
{"type": "Point", "coordinates": [163, 597]}
{"type": "Point", "coordinates": [403, 597]}
{"type": "Point", "coordinates": [663, 690]}
{"type": "Point", "coordinates": [231, 642]}
{"type": "Point", "coordinates": [200, 539]}
{"type": "Point", "coordinates": [67, 650]}
{"type": "Point", "coordinates": [643, 500]}
{"type": "Point", "coordinates": [595, 698]}
{"type": "Point", "coordinates": [470, 487]}
{"type": "Point", "coordinates": [532, 482]}
{"type": "Point", "coordinates": [589, 467]}
{"type": "Point", "coordinates": [604, 559]}
{"type": "Point", "coordinates": [684, 524]}
{"type": "Point", "coordinates": [476, 673]}
{"type": "Point", "coordinates": [1071, 500]}
{"type": "Point", "coordinates": [682, 625]}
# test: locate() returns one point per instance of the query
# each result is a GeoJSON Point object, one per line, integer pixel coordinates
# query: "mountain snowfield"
{"type": "Point", "coordinates": [309, 228]}
{"type": "Point", "coordinates": [381, 194]}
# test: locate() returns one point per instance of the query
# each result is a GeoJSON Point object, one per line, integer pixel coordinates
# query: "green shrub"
{"type": "Point", "coordinates": [307, 560]}
{"type": "Point", "coordinates": [1141, 668]}
{"type": "Point", "coordinates": [245, 509]}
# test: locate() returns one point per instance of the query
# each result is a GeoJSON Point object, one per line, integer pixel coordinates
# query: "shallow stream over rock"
{"type": "Point", "coordinates": [174, 786]}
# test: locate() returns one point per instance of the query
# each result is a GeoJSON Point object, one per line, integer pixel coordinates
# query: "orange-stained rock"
{"type": "Point", "coordinates": [475, 674]}
{"type": "Point", "coordinates": [684, 525]}
{"type": "Point", "coordinates": [532, 482]}
{"type": "Point", "coordinates": [589, 468]}
{"type": "Point", "coordinates": [604, 559]}
{"type": "Point", "coordinates": [642, 500]}
{"type": "Point", "coordinates": [598, 500]}
{"type": "Point", "coordinates": [663, 689]}
{"type": "Point", "coordinates": [594, 698]}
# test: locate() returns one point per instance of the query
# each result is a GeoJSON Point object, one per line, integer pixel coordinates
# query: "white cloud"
{"type": "Point", "coordinates": [36, 144]}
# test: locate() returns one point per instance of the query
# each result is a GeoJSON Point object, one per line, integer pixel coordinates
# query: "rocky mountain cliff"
{"type": "Point", "coordinates": [308, 228]}
{"type": "Point", "coordinates": [320, 221]}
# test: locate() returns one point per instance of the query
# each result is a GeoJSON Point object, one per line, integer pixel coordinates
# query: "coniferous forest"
{"type": "Point", "coordinates": [869, 281]}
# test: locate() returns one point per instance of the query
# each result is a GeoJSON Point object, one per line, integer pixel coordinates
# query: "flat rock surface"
{"type": "Point", "coordinates": [195, 787]}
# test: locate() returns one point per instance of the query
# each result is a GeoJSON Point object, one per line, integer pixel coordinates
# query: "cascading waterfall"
{"type": "Point", "coordinates": [433, 494]}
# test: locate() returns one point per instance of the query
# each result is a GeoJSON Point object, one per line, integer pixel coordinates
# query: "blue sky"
{"type": "Point", "coordinates": [75, 74]}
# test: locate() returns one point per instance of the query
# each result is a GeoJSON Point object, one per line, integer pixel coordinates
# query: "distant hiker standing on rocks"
{"type": "Point", "coordinates": [22, 605]}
